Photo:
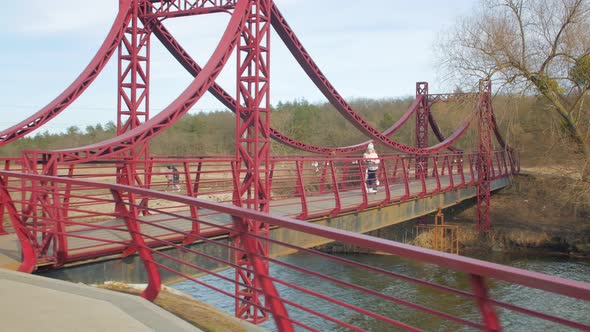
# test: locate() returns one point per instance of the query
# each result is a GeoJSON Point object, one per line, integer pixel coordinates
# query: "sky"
{"type": "Point", "coordinates": [367, 49]}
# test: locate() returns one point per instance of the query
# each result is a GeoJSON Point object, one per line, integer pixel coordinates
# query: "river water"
{"type": "Point", "coordinates": [575, 269]}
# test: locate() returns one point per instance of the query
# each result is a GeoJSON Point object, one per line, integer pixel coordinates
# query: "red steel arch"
{"type": "Point", "coordinates": [310, 67]}
{"type": "Point", "coordinates": [286, 33]}
{"type": "Point", "coordinates": [164, 119]}
{"type": "Point", "coordinates": [84, 80]}
{"type": "Point", "coordinates": [228, 101]}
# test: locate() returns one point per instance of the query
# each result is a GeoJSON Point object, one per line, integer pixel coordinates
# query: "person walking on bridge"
{"type": "Point", "coordinates": [372, 161]}
{"type": "Point", "coordinates": [173, 178]}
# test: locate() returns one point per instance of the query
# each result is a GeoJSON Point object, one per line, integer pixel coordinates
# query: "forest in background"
{"type": "Point", "coordinates": [538, 135]}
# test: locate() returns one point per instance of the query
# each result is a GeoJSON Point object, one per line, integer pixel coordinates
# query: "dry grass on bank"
{"type": "Point", "coordinates": [500, 238]}
{"type": "Point", "coordinates": [543, 208]}
{"type": "Point", "coordinates": [543, 203]}
{"type": "Point", "coordinates": [201, 315]}
{"type": "Point", "coordinates": [520, 238]}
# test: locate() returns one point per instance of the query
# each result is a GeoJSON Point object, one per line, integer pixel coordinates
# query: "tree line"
{"type": "Point", "coordinates": [539, 139]}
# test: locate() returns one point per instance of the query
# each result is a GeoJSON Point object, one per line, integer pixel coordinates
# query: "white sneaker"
{"type": "Point", "coordinates": [371, 191]}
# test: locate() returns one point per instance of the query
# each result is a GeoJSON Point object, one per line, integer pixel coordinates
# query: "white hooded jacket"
{"type": "Point", "coordinates": [372, 160]}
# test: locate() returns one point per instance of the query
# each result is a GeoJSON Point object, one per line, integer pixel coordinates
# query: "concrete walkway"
{"type": "Point", "coordinates": [34, 303]}
{"type": "Point", "coordinates": [10, 255]}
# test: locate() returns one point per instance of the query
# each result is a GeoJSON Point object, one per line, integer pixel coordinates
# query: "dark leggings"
{"type": "Point", "coordinates": [371, 177]}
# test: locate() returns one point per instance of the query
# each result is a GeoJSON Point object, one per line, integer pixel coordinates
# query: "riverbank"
{"type": "Point", "coordinates": [538, 211]}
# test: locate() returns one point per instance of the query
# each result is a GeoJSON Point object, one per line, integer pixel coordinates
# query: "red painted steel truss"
{"type": "Point", "coordinates": [249, 31]}
{"type": "Point", "coordinates": [133, 89]}
{"type": "Point", "coordinates": [253, 152]}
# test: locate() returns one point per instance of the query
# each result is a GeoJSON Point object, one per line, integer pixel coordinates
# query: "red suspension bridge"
{"type": "Point", "coordinates": [107, 200]}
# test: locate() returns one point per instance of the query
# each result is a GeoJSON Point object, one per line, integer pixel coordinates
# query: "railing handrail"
{"type": "Point", "coordinates": [311, 157]}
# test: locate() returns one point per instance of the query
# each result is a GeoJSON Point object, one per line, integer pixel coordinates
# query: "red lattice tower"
{"type": "Point", "coordinates": [133, 90]}
{"type": "Point", "coordinates": [253, 153]}
{"type": "Point", "coordinates": [422, 115]}
{"type": "Point", "coordinates": [484, 160]}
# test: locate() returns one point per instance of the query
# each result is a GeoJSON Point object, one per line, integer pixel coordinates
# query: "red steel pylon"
{"type": "Point", "coordinates": [253, 154]}
{"type": "Point", "coordinates": [422, 115]}
{"type": "Point", "coordinates": [133, 89]}
{"type": "Point", "coordinates": [484, 159]}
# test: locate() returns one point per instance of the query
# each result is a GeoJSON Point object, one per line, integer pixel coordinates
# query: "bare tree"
{"type": "Point", "coordinates": [532, 47]}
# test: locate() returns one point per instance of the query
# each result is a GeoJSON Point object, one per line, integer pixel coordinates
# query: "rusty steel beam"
{"type": "Point", "coordinates": [484, 165]}
{"type": "Point", "coordinates": [451, 97]}
{"type": "Point", "coordinates": [421, 133]}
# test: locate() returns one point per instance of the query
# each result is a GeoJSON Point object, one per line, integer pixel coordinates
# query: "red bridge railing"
{"type": "Point", "coordinates": [303, 187]}
{"type": "Point", "coordinates": [38, 220]}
